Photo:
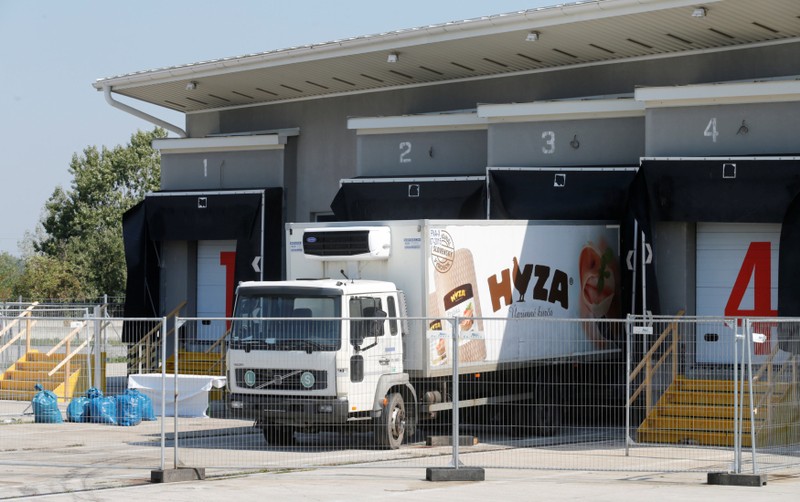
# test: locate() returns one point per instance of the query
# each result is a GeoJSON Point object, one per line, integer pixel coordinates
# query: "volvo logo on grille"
{"type": "Point", "coordinates": [307, 379]}
{"type": "Point", "coordinates": [250, 378]}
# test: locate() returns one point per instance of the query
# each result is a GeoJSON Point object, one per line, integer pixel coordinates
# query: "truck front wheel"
{"type": "Point", "coordinates": [278, 435]}
{"type": "Point", "coordinates": [391, 427]}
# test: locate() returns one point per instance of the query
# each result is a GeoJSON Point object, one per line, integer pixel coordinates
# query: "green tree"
{"type": "Point", "coordinates": [10, 272]}
{"type": "Point", "coordinates": [48, 277]}
{"type": "Point", "coordinates": [83, 224]}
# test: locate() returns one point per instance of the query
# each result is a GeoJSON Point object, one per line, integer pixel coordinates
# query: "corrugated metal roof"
{"type": "Point", "coordinates": [571, 34]}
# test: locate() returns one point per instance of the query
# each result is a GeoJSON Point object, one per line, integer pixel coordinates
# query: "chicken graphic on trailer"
{"type": "Point", "coordinates": [360, 334]}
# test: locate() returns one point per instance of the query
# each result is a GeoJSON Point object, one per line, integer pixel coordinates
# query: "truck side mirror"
{"type": "Point", "coordinates": [367, 328]}
{"type": "Point", "coordinates": [376, 326]}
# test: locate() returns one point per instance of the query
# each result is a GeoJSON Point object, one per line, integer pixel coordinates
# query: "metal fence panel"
{"type": "Point", "coordinates": [676, 399]}
{"type": "Point", "coordinates": [775, 398]}
{"type": "Point", "coordinates": [73, 357]}
{"type": "Point", "coordinates": [644, 394]}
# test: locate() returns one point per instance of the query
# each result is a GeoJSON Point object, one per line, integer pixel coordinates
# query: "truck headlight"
{"type": "Point", "coordinates": [237, 405]}
{"type": "Point", "coordinates": [326, 408]}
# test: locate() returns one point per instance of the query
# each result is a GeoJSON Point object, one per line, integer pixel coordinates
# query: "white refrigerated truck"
{"type": "Point", "coordinates": [361, 331]}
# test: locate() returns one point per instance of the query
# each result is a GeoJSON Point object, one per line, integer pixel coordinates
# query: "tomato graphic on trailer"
{"type": "Point", "coordinates": [215, 268]}
{"type": "Point", "coordinates": [737, 276]}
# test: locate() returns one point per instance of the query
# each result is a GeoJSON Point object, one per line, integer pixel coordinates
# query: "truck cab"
{"type": "Point", "coordinates": [323, 354]}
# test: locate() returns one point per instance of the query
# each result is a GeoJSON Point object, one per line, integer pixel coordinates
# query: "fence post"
{"type": "Point", "coordinates": [749, 341]}
{"type": "Point", "coordinates": [163, 392]}
{"type": "Point", "coordinates": [737, 426]}
{"type": "Point", "coordinates": [85, 330]}
{"type": "Point", "coordinates": [178, 322]}
{"type": "Point", "coordinates": [98, 347]}
{"type": "Point", "coordinates": [648, 379]}
{"type": "Point", "coordinates": [628, 322]}
{"type": "Point", "coordinates": [455, 463]}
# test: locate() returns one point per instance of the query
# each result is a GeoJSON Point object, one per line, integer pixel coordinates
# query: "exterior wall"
{"type": "Point", "coordinates": [723, 130]}
{"type": "Point", "coordinates": [422, 153]}
{"type": "Point", "coordinates": [222, 170]}
{"type": "Point", "coordinates": [598, 142]}
{"type": "Point", "coordinates": [707, 131]}
{"type": "Point", "coordinates": [327, 150]}
{"type": "Point", "coordinates": [179, 275]}
{"type": "Point", "coordinates": [676, 266]}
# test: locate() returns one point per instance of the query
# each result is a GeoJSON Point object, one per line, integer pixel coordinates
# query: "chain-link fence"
{"type": "Point", "coordinates": [643, 394]}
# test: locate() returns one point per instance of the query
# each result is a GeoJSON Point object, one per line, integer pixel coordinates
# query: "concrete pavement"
{"type": "Point", "coordinates": [367, 483]}
{"type": "Point", "coordinates": [30, 471]}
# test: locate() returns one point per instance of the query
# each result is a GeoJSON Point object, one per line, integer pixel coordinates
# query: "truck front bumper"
{"type": "Point", "coordinates": [290, 410]}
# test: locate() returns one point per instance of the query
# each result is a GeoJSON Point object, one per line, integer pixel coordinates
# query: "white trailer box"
{"type": "Point", "coordinates": [477, 269]}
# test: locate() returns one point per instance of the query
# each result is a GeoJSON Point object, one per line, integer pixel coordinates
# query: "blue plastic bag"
{"type": "Point", "coordinates": [76, 411]}
{"type": "Point", "coordinates": [128, 410]}
{"type": "Point", "coordinates": [101, 410]}
{"type": "Point", "coordinates": [45, 407]}
{"type": "Point", "coordinates": [145, 404]}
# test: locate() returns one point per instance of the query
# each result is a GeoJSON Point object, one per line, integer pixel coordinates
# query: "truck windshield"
{"type": "Point", "coordinates": [286, 322]}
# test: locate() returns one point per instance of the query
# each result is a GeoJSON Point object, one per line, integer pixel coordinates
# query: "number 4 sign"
{"type": "Point", "coordinates": [756, 268]}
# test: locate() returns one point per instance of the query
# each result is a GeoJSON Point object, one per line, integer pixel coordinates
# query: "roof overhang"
{"type": "Point", "coordinates": [220, 143]}
{"type": "Point", "coordinates": [773, 91]}
{"type": "Point", "coordinates": [466, 121]}
{"type": "Point", "coordinates": [578, 109]}
{"type": "Point", "coordinates": [575, 34]}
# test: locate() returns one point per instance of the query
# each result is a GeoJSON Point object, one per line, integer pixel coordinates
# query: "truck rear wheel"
{"type": "Point", "coordinates": [278, 435]}
{"type": "Point", "coordinates": [390, 430]}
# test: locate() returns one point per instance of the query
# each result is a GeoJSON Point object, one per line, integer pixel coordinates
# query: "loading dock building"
{"type": "Point", "coordinates": [674, 118]}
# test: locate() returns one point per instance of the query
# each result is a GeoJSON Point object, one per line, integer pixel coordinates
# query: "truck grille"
{"type": "Point", "coordinates": [339, 243]}
{"type": "Point", "coordinates": [281, 379]}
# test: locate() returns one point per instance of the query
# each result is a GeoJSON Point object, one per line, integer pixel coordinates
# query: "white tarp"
{"type": "Point", "coordinates": [192, 392]}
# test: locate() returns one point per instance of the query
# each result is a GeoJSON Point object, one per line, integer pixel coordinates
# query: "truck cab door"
{"type": "Point", "coordinates": [375, 346]}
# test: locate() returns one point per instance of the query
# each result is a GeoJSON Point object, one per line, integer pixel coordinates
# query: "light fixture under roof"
{"type": "Point", "coordinates": [392, 58]}
{"type": "Point", "coordinates": [699, 12]}
{"type": "Point", "coordinates": [191, 86]}
{"type": "Point", "coordinates": [532, 36]}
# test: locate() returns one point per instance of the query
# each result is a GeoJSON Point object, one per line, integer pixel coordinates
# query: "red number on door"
{"type": "Point", "coordinates": [228, 260]}
{"type": "Point", "coordinates": [756, 268]}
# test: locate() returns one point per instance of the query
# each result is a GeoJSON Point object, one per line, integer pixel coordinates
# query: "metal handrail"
{"type": "Point", "coordinates": [25, 313]}
{"type": "Point", "coordinates": [222, 353]}
{"type": "Point", "coordinates": [218, 342]}
{"type": "Point", "coordinates": [72, 334]}
{"type": "Point", "coordinates": [772, 381]}
{"type": "Point", "coordinates": [146, 342]}
{"type": "Point", "coordinates": [647, 362]}
{"type": "Point", "coordinates": [19, 335]}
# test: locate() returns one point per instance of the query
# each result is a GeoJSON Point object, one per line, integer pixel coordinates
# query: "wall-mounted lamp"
{"type": "Point", "coordinates": [191, 86]}
{"type": "Point", "coordinates": [392, 58]}
{"type": "Point", "coordinates": [532, 36]}
{"type": "Point", "coordinates": [699, 12]}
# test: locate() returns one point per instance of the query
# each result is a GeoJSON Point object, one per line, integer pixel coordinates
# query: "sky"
{"type": "Point", "coordinates": [51, 51]}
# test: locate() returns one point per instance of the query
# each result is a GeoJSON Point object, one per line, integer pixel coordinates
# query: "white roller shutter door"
{"type": "Point", "coordinates": [737, 275]}
{"type": "Point", "coordinates": [214, 259]}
